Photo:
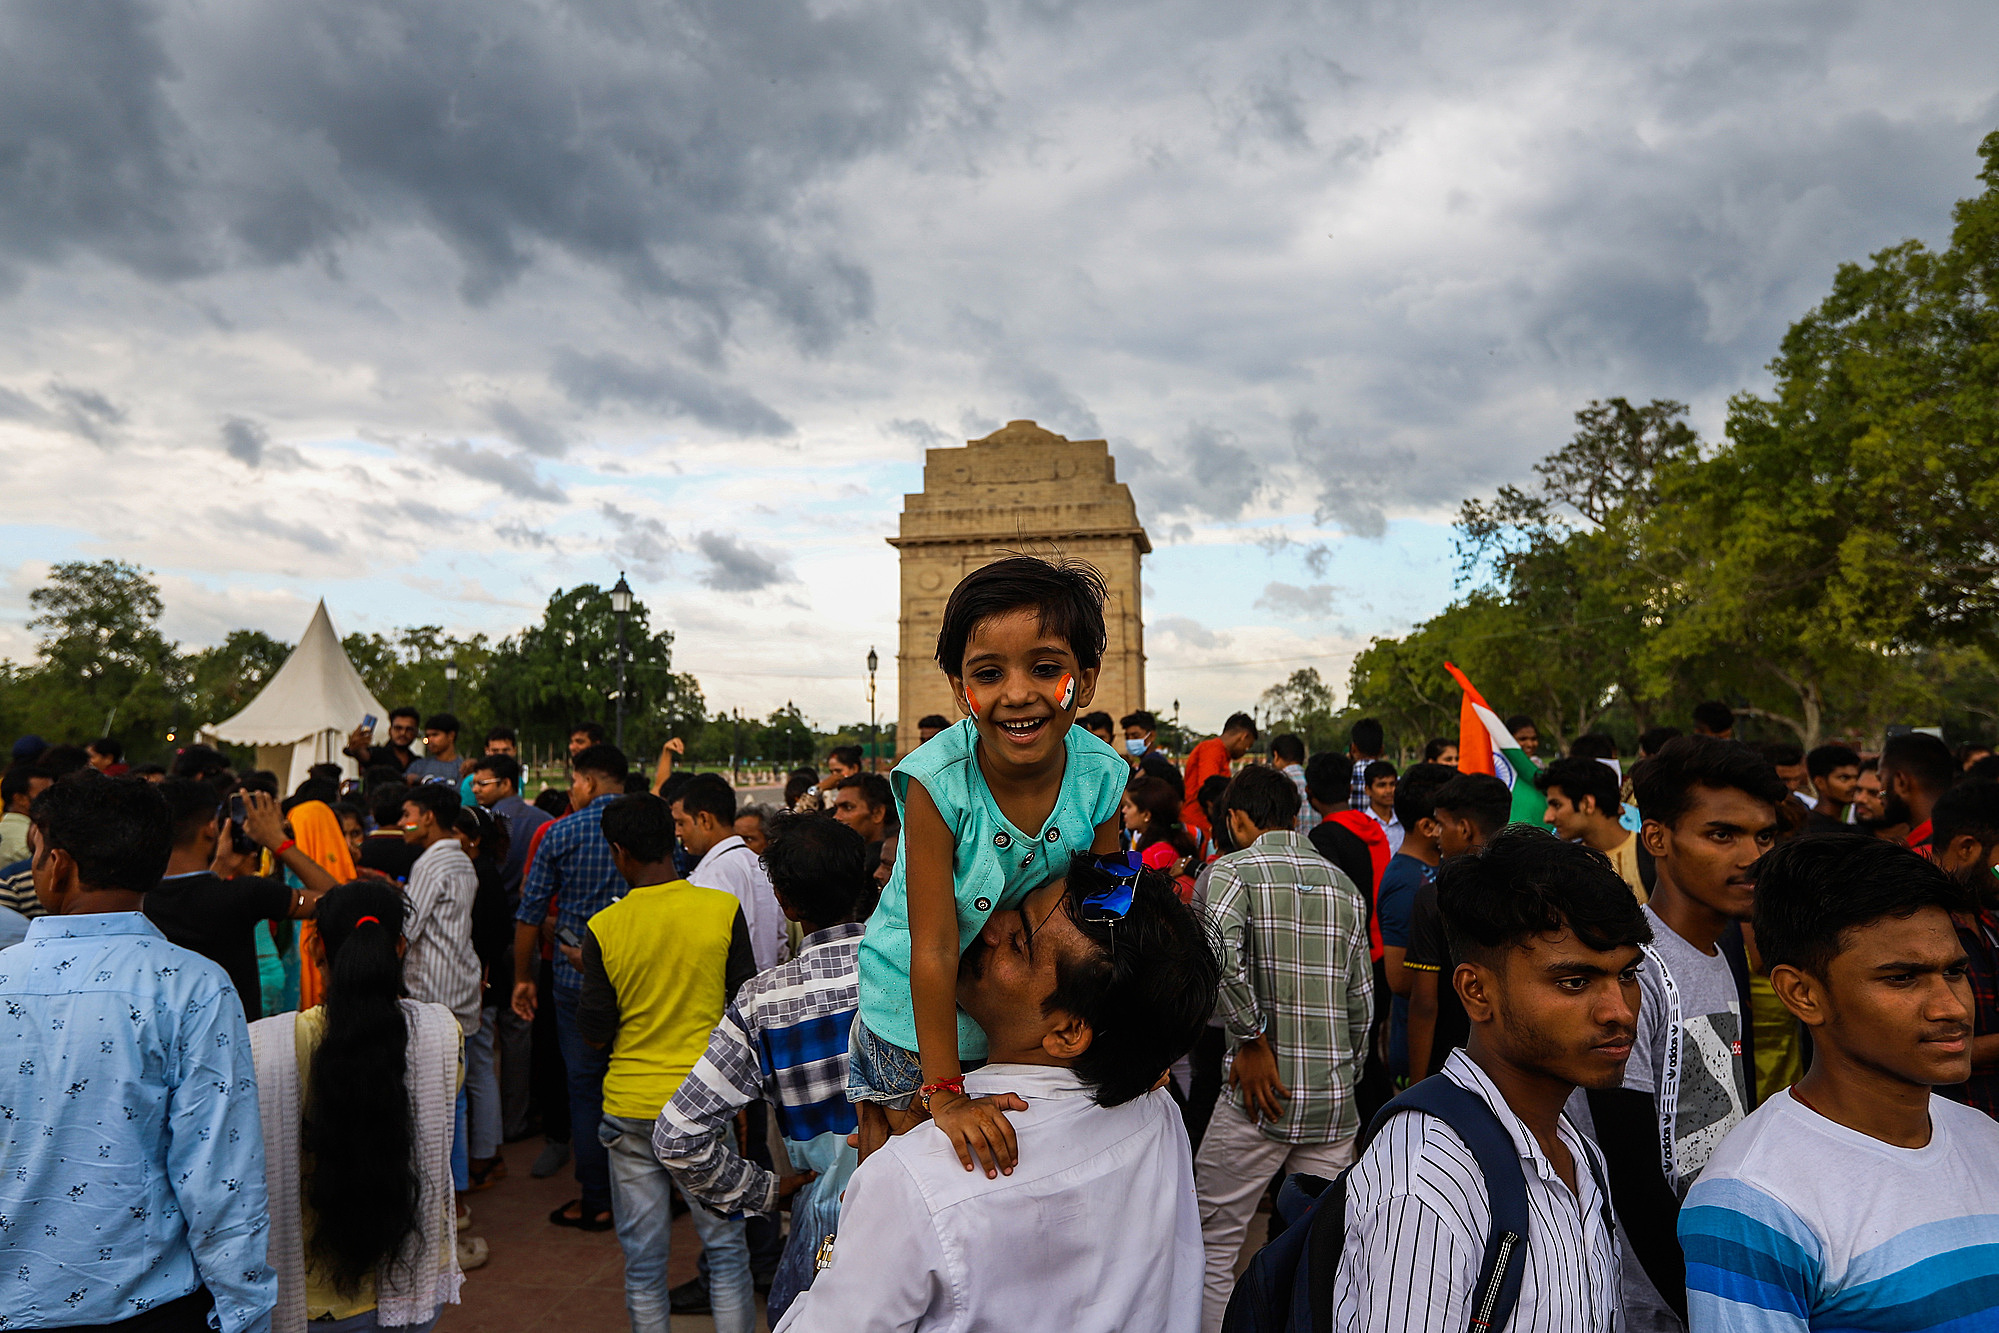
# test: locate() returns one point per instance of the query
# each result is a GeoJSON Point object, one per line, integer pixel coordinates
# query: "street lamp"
{"type": "Point", "coordinates": [621, 606]}
{"type": "Point", "coordinates": [873, 750]}
{"type": "Point", "coordinates": [451, 686]}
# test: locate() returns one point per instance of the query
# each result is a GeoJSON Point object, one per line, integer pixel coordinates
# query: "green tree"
{"type": "Point", "coordinates": [1301, 703]}
{"type": "Point", "coordinates": [550, 675]}
{"type": "Point", "coordinates": [105, 666]}
{"type": "Point", "coordinates": [1852, 519]}
{"type": "Point", "coordinates": [224, 679]}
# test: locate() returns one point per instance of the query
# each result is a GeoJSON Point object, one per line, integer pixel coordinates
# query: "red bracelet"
{"type": "Point", "coordinates": [285, 846]}
{"type": "Point", "coordinates": [956, 1083]}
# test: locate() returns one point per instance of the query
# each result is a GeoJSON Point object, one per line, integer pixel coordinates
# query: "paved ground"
{"type": "Point", "coordinates": [550, 1279]}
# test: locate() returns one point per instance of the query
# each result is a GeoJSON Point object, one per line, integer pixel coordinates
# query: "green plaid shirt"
{"type": "Point", "coordinates": [1295, 967]}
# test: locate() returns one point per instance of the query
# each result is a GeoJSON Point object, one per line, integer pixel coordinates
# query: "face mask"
{"type": "Point", "coordinates": [1134, 745]}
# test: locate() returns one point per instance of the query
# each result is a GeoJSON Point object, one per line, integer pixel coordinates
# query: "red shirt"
{"type": "Point", "coordinates": [1363, 826]}
{"type": "Point", "coordinates": [1209, 759]}
{"type": "Point", "coordinates": [1919, 839]}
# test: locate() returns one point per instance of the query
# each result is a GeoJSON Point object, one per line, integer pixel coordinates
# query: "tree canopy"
{"type": "Point", "coordinates": [1827, 568]}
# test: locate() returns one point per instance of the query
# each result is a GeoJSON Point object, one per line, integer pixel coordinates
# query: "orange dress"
{"type": "Point", "coordinates": [316, 830]}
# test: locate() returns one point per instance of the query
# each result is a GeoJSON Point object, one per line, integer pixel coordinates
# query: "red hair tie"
{"type": "Point", "coordinates": [365, 920]}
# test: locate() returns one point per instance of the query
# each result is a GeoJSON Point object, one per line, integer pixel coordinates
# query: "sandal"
{"type": "Point", "coordinates": [486, 1173]}
{"type": "Point", "coordinates": [562, 1218]}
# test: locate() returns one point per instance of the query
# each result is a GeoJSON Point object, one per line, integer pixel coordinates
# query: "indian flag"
{"type": "Point", "coordinates": [1486, 746]}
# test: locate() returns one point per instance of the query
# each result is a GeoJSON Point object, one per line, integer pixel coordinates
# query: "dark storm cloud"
{"type": "Point", "coordinates": [736, 566]}
{"type": "Point", "coordinates": [594, 380]}
{"type": "Point", "coordinates": [669, 144]}
{"type": "Point", "coordinates": [1209, 474]}
{"type": "Point", "coordinates": [643, 542]}
{"type": "Point", "coordinates": [244, 441]}
{"type": "Point", "coordinates": [530, 433]}
{"type": "Point", "coordinates": [86, 412]}
{"type": "Point", "coordinates": [511, 473]}
{"type": "Point", "coordinates": [1291, 600]}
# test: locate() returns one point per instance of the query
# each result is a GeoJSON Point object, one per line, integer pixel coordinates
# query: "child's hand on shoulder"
{"type": "Point", "coordinates": [976, 1126]}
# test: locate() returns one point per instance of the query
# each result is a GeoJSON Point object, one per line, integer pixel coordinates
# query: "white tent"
{"type": "Point", "coordinates": [305, 712]}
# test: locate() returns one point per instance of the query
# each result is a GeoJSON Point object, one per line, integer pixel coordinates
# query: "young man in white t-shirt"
{"type": "Point", "coordinates": [1854, 1198]}
{"type": "Point", "coordinates": [1710, 813]}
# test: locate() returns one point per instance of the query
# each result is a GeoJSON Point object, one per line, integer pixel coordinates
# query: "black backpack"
{"type": "Point", "coordinates": [1288, 1287]}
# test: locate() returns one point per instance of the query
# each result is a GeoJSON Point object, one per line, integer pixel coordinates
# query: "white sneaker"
{"type": "Point", "coordinates": [472, 1253]}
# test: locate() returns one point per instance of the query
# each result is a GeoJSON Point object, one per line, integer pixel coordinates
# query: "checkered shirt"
{"type": "Point", "coordinates": [1357, 791]}
{"type": "Point", "coordinates": [573, 864]}
{"type": "Point", "coordinates": [784, 1039]}
{"type": "Point", "coordinates": [1296, 967]}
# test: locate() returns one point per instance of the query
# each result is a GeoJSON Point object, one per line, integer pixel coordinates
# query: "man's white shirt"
{"type": "Point", "coordinates": [1418, 1216]}
{"type": "Point", "coordinates": [732, 867]}
{"type": "Point", "coordinates": [1391, 826]}
{"type": "Point", "coordinates": [1096, 1230]}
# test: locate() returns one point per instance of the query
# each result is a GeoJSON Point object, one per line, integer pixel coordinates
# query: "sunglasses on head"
{"type": "Point", "coordinates": [1111, 903]}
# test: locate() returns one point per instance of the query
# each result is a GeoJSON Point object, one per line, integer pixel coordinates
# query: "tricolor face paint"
{"type": "Point", "coordinates": [1067, 698]}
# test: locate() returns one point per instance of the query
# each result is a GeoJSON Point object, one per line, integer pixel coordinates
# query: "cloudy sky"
{"type": "Point", "coordinates": [430, 308]}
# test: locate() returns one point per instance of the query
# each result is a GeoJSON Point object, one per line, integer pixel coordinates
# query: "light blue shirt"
{"type": "Point", "coordinates": [993, 864]}
{"type": "Point", "coordinates": [131, 1159]}
{"type": "Point", "coordinates": [13, 927]}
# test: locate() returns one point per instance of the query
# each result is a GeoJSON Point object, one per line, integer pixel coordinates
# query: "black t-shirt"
{"type": "Point", "coordinates": [218, 918]}
{"type": "Point", "coordinates": [389, 854]}
{"type": "Point", "coordinates": [1344, 848]}
{"type": "Point", "coordinates": [1430, 951]}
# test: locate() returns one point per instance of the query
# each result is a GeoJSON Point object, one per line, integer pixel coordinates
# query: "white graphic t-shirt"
{"type": "Point", "coordinates": [1710, 1094]}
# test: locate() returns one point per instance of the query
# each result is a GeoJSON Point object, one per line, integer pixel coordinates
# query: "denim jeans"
{"type": "Point", "coordinates": [461, 1168]}
{"type": "Point", "coordinates": [482, 1087]}
{"type": "Point", "coordinates": [585, 1065]}
{"type": "Point", "coordinates": [642, 1206]}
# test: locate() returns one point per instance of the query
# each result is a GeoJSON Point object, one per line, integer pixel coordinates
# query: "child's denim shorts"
{"type": "Point", "coordinates": [880, 1071]}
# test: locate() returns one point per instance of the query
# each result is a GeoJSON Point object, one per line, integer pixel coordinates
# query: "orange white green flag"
{"type": "Point", "coordinates": [1486, 746]}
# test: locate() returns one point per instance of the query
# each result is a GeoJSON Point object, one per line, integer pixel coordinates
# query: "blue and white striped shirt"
{"type": "Point", "coordinates": [1800, 1223]}
{"type": "Point", "coordinates": [784, 1038]}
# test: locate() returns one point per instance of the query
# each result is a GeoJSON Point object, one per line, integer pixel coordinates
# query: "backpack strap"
{"type": "Point", "coordinates": [1500, 1270]}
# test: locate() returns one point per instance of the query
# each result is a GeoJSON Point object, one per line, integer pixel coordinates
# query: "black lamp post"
{"type": "Point", "coordinates": [621, 607]}
{"type": "Point", "coordinates": [451, 686]}
{"type": "Point", "coordinates": [873, 746]}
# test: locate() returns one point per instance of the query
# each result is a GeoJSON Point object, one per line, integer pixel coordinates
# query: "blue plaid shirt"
{"type": "Point", "coordinates": [784, 1038]}
{"type": "Point", "coordinates": [1357, 794]}
{"type": "Point", "coordinates": [573, 865]}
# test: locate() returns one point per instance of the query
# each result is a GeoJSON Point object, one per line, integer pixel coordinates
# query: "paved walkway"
{"type": "Point", "coordinates": [550, 1279]}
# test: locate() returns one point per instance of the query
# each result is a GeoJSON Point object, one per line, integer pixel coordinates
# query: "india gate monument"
{"type": "Point", "coordinates": [1020, 489]}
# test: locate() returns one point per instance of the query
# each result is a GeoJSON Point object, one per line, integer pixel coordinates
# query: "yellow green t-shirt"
{"type": "Point", "coordinates": [665, 952]}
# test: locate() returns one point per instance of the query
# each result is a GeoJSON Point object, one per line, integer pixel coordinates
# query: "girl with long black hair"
{"type": "Point", "coordinates": [356, 1097]}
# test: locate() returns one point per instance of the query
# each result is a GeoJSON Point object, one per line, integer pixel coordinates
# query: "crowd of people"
{"type": "Point", "coordinates": [1024, 1034]}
